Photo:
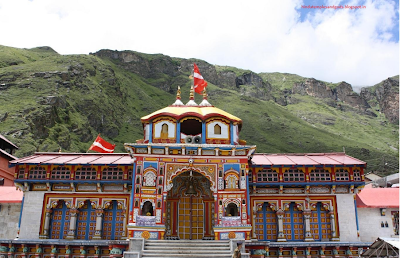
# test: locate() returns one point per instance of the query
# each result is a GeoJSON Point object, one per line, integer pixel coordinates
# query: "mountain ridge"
{"type": "Point", "coordinates": [53, 101]}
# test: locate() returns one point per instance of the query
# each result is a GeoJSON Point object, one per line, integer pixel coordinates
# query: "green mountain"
{"type": "Point", "coordinates": [50, 102]}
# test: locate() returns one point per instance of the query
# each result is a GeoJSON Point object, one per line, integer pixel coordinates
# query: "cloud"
{"type": "Point", "coordinates": [356, 46]}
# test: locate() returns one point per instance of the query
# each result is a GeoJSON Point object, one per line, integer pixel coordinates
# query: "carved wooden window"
{"type": "Point", "coordinates": [37, 173]}
{"type": "Point", "coordinates": [60, 173]}
{"type": "Point", "coordinates": [293, 175]}
{"type": "Point", "coordinates": [21, 173]}
{"type": "Point", "coordinates": [250, 176]}
{"type": "Point", "coordinates": [113, 173]}
{"type": "Point", "coordinates": [164, 131]}
{"type": "Point", "coordinates": [320, 175]}
{"type": "Point", "coordinates": [149, 179]}
{"type": "Point", "coordinates": [85, 173]}
{"type": "Point", "coordinates": [357, 175]}
{"type": "Point", "coordinates": [217, 129]}
{"type": "Point", "coordinates": [231, 182]}
{"type": "Point", "coordinates": [130, 173]}
{"type": "Point", "coordinates": [342, 175]}
{"type": "Point", "coordinates": [267, 175]}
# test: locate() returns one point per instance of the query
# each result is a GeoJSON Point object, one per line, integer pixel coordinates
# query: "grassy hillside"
{"type": "Point", "coordinates": [51, 102]}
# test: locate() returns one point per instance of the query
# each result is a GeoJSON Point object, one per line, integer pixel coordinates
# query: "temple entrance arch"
{"type": "Point", "coordinates": [190, 206]}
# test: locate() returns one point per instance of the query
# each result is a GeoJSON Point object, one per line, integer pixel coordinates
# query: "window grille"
{"type": "Point", "coordinates": [320, 175]}
{"type": "Point", "coordinates": [250, 176]}
{"type": "Point", "coordinates": [130, 174]}
{"type": "Point", "coordinates": [85, 173]}
{"type": "Point", "coordinates": [21, 173]}
{"type": "Point", "coordinates": [293, 175]}
{"type": "Point", "coordinates": [342, 175]}
{"type": "Point", "coordinates": [113, 173]}
{"type": "Point", "coordinates": [37, 173]}
{"type": "Point", "coordinates": [357, 175]}
{"type": "Point", "coordinates": [60, 173]}
{"type": "Point", "coordinates": [267, 175]}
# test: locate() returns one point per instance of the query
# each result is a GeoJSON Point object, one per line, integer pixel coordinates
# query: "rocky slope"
{"type": "Point", "coordinates": [51, 102]}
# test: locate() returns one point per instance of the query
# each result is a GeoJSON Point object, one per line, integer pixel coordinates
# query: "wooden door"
{"type": "Point", "coordinates": [191, 217]}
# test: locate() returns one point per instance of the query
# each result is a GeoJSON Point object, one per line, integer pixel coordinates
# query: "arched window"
{"type": "Point", "coordinates": [267, 175]}
{"type": "Point", "coordinates": [112, 173]}
{"type": "Point", "coordinates": [232, 210]}
{"type": "Point", "coordinates": [293, 175]}
{"type": "Point", "coordinates": [37, 173]}
{"type": "Point", "coordinates": [266, 224]}
{"type": "Point", "coordinates": [85, 173]}
{"type": "Point", "coordinates": [320, 175]}
{"type": "Point", "coordinates": [147, 209]}
{"type": "Point", "coordinates": [342, 175]}
{"type": "Point", "coordinates": [217, 129]}
{"type": "Point", "coordinates": [60, 173]}
{"type": "Point", "coordinates": [293, 224]}
{"type": "Point", "coordinates": [164, 131]}
{"type": "Point", "coordinates": [357, 175]}
{"type": "Point", "coordinates": [320, 223]}
{"type": "Point", "coordinates": [113, 222]}
{"type": "Point", "coordinates": [231, 182]}
{"type": "Point", "coordinates": [59, 221]}
{"type": "Point", "coordinates": [149, 179]}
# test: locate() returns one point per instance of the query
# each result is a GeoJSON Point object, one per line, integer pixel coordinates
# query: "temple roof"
{"type": "Point", "coordinates": [304, 159]}
{"type": "Point", "coordinates": [9, 194]}
{"type": "Point", "coordinates": [202, 112]}
{"type": "Point", "coordinates": [378, 198]}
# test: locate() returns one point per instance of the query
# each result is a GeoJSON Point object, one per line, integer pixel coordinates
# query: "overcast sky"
{"type": "Point", "coordinates": [359, 46]}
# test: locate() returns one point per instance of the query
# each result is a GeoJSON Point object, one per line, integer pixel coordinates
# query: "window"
{"type": "Point", "coordinates": [217, 129]}
{"type": "Point", "coordinates": [60, 173]}
{"type": "Point", "coordinates": [232, 210]}
{"type": "Point", "coordinates": [164, 131]}
{"type": "Point", "coordinates": [147, 209]}
{"type": "Point", "coordinates": [395, 218]}
{"type": "Point", "coordinates": [293, 175]}
{"type": "Point", "coordinates": [21, 173]}
{"type": "Point", "coordinates": [267, 175]}
{"type": "Point", "coordinates": [231, 182]}
{"type": "Point", "coordinates": [85, 173]}
{"type": "Point", "coordinates": [37, 173]}
{"type": "Point", "coordinates": [149, 179]}
{"type": "Point", "coordinates": [320, 175]}
{"type": "Point", "coordinates": [357, 175]}
{"type": "Point", "coordinates": [113, 173]}
{"type": "Point", "coordinates": [130, 172]}
{"type": "Point", "coordinates": [250, 176]}
{"type": "Point", "coordinates": [342, 175]}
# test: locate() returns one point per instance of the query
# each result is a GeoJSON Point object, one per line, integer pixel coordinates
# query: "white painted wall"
{"type": "Point", "coordinates": [147, 131]}
{"type": "Point", "coordinates": [31, 215]}
{"type": "Point", "coordinates": [9, 217]}
{"type": "Point", "coordinates": [224, 130]}
{"type": "Point", "coordinates": [158, 128]}
{"type": "Point", "coordinates": [370, 219]}
{"type": "Point", "coordinates": [347, 218]}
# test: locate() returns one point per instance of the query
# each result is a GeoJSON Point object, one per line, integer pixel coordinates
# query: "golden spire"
{"type": "Point", "coordinates": [191, 93]}
{"type": "Point", "coordinates": [178, 93]}
{"type": "Point", "coordinates": [204, 94]}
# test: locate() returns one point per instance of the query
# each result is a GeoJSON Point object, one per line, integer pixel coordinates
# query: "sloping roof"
{"type": "Point", "coordinates": [198, 111]}
{"type": "Point", "coordinates": [7, 154]}
{"type": "Point", "coordinates": [383, 247]}
{"type": "Point", "coordinates": [378, 198]}
{"type": "Point", "coordinates": [49, 158]}
{"type": "Point", "coordinates": [5, 139]}
{"type": "Point", "coordinates": [9, 194]}
{"type": "Point", "coordinates": [313, 159]}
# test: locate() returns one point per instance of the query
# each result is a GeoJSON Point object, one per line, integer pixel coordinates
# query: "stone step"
{"type": "Point", "coordinates": [188, 251]}
{"type": "Point", "coordinates": [187, 255]}
{"type": "Point", "coordinates": [185, 244]}
{"type": "Point", "coordinates": [155, 247]}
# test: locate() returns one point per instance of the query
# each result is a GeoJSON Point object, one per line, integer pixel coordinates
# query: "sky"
{"type": "Point", "coordinates": [356, 45]}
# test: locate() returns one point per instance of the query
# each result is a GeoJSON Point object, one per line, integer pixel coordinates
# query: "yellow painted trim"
{"type": "Point", "coordinates": [200, 160]}
{"type": "Point", "coordinates": [151, 159]}
{"type": "Point", "coordinates": [232, 161]}
{"type": "Point", "coordinates": [182, 160]}
{"type": "Point", "coordinates": [165, 159]}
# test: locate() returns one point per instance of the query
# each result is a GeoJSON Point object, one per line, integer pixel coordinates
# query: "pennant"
{"type": "Point", "coordinates": [102, 146]}
{"type": "Point", "coordinates": [199, 82]}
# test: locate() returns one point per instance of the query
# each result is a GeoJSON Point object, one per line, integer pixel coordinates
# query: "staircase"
{"type": "Point", "coordinates": [186, 248]}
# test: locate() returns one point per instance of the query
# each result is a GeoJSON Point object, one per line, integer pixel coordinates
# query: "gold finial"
{"type": "Point", "coordinates": [191, 93]}
{"type": "Point", "coordinates": [204, 94]}
{"type": "Point", "coordinates": [178, 93]}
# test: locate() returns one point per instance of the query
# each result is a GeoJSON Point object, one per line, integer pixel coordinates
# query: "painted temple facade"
{"type": "Point", "coordinates": [192, 177]}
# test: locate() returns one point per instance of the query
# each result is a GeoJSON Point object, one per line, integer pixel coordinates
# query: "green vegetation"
{"type": "Point", "coordinates": [51, 102]}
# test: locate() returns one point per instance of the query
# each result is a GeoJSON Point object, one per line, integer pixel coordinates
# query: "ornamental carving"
{"type": "Point", "coordinates": [208, 171]}
{"type": "Point", "coordinates": [320, 190]}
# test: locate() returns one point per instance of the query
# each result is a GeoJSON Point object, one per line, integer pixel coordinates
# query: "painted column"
{"type": "Point", "coordinates": [307, 215]}
{"type": "Point", "coordinates": [335, 237]}
{"type": "Point", "coordinates": [203, 133]}
{"type": "Point", "coordinates": [151, 132]}
{"type": "Point", "coordinates": [254, 221]}
{"type": "Point", "coordinates": [99, 224]}
{"type": "Point", "coordinates": [281, 236]}
{"type": "Point", "coordinates": [46, 224]}
{"type": "Point", "coordinates": [132, 192]}
{"type": "Point", "coordinates": [72, 225]}
{"type": "Point", "coordinates": [178, 132]}
{"type": "Point", "coordinates": [232, 134]}
{"type": "Point", "coordinates": [125, 234]}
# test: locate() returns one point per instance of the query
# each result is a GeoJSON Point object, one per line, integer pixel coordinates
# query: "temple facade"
{"type": "Point", "coordinates": [192, 178]}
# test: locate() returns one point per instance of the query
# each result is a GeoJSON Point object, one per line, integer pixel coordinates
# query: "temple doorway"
{"type": "Point", "coordinates": [190, 206]}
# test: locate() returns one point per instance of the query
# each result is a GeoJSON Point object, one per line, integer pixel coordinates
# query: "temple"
{"type": "Point", "coordinates": [191, 177]}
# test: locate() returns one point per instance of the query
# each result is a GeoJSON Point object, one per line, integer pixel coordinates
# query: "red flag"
{"type": "Point", "coordinates": [100, 145]}
{"type": "Point", "coordinates": [199, 82]}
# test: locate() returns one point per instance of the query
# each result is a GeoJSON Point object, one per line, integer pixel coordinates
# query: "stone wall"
{"type": "Point", "coordinates": [369, 221]}
{"type": "Point", "coordinates": [32, 213]}
{"type": "Point", "coordinates": [347, 218]}
{"type": "Point", "coordinates": [9, 218]}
